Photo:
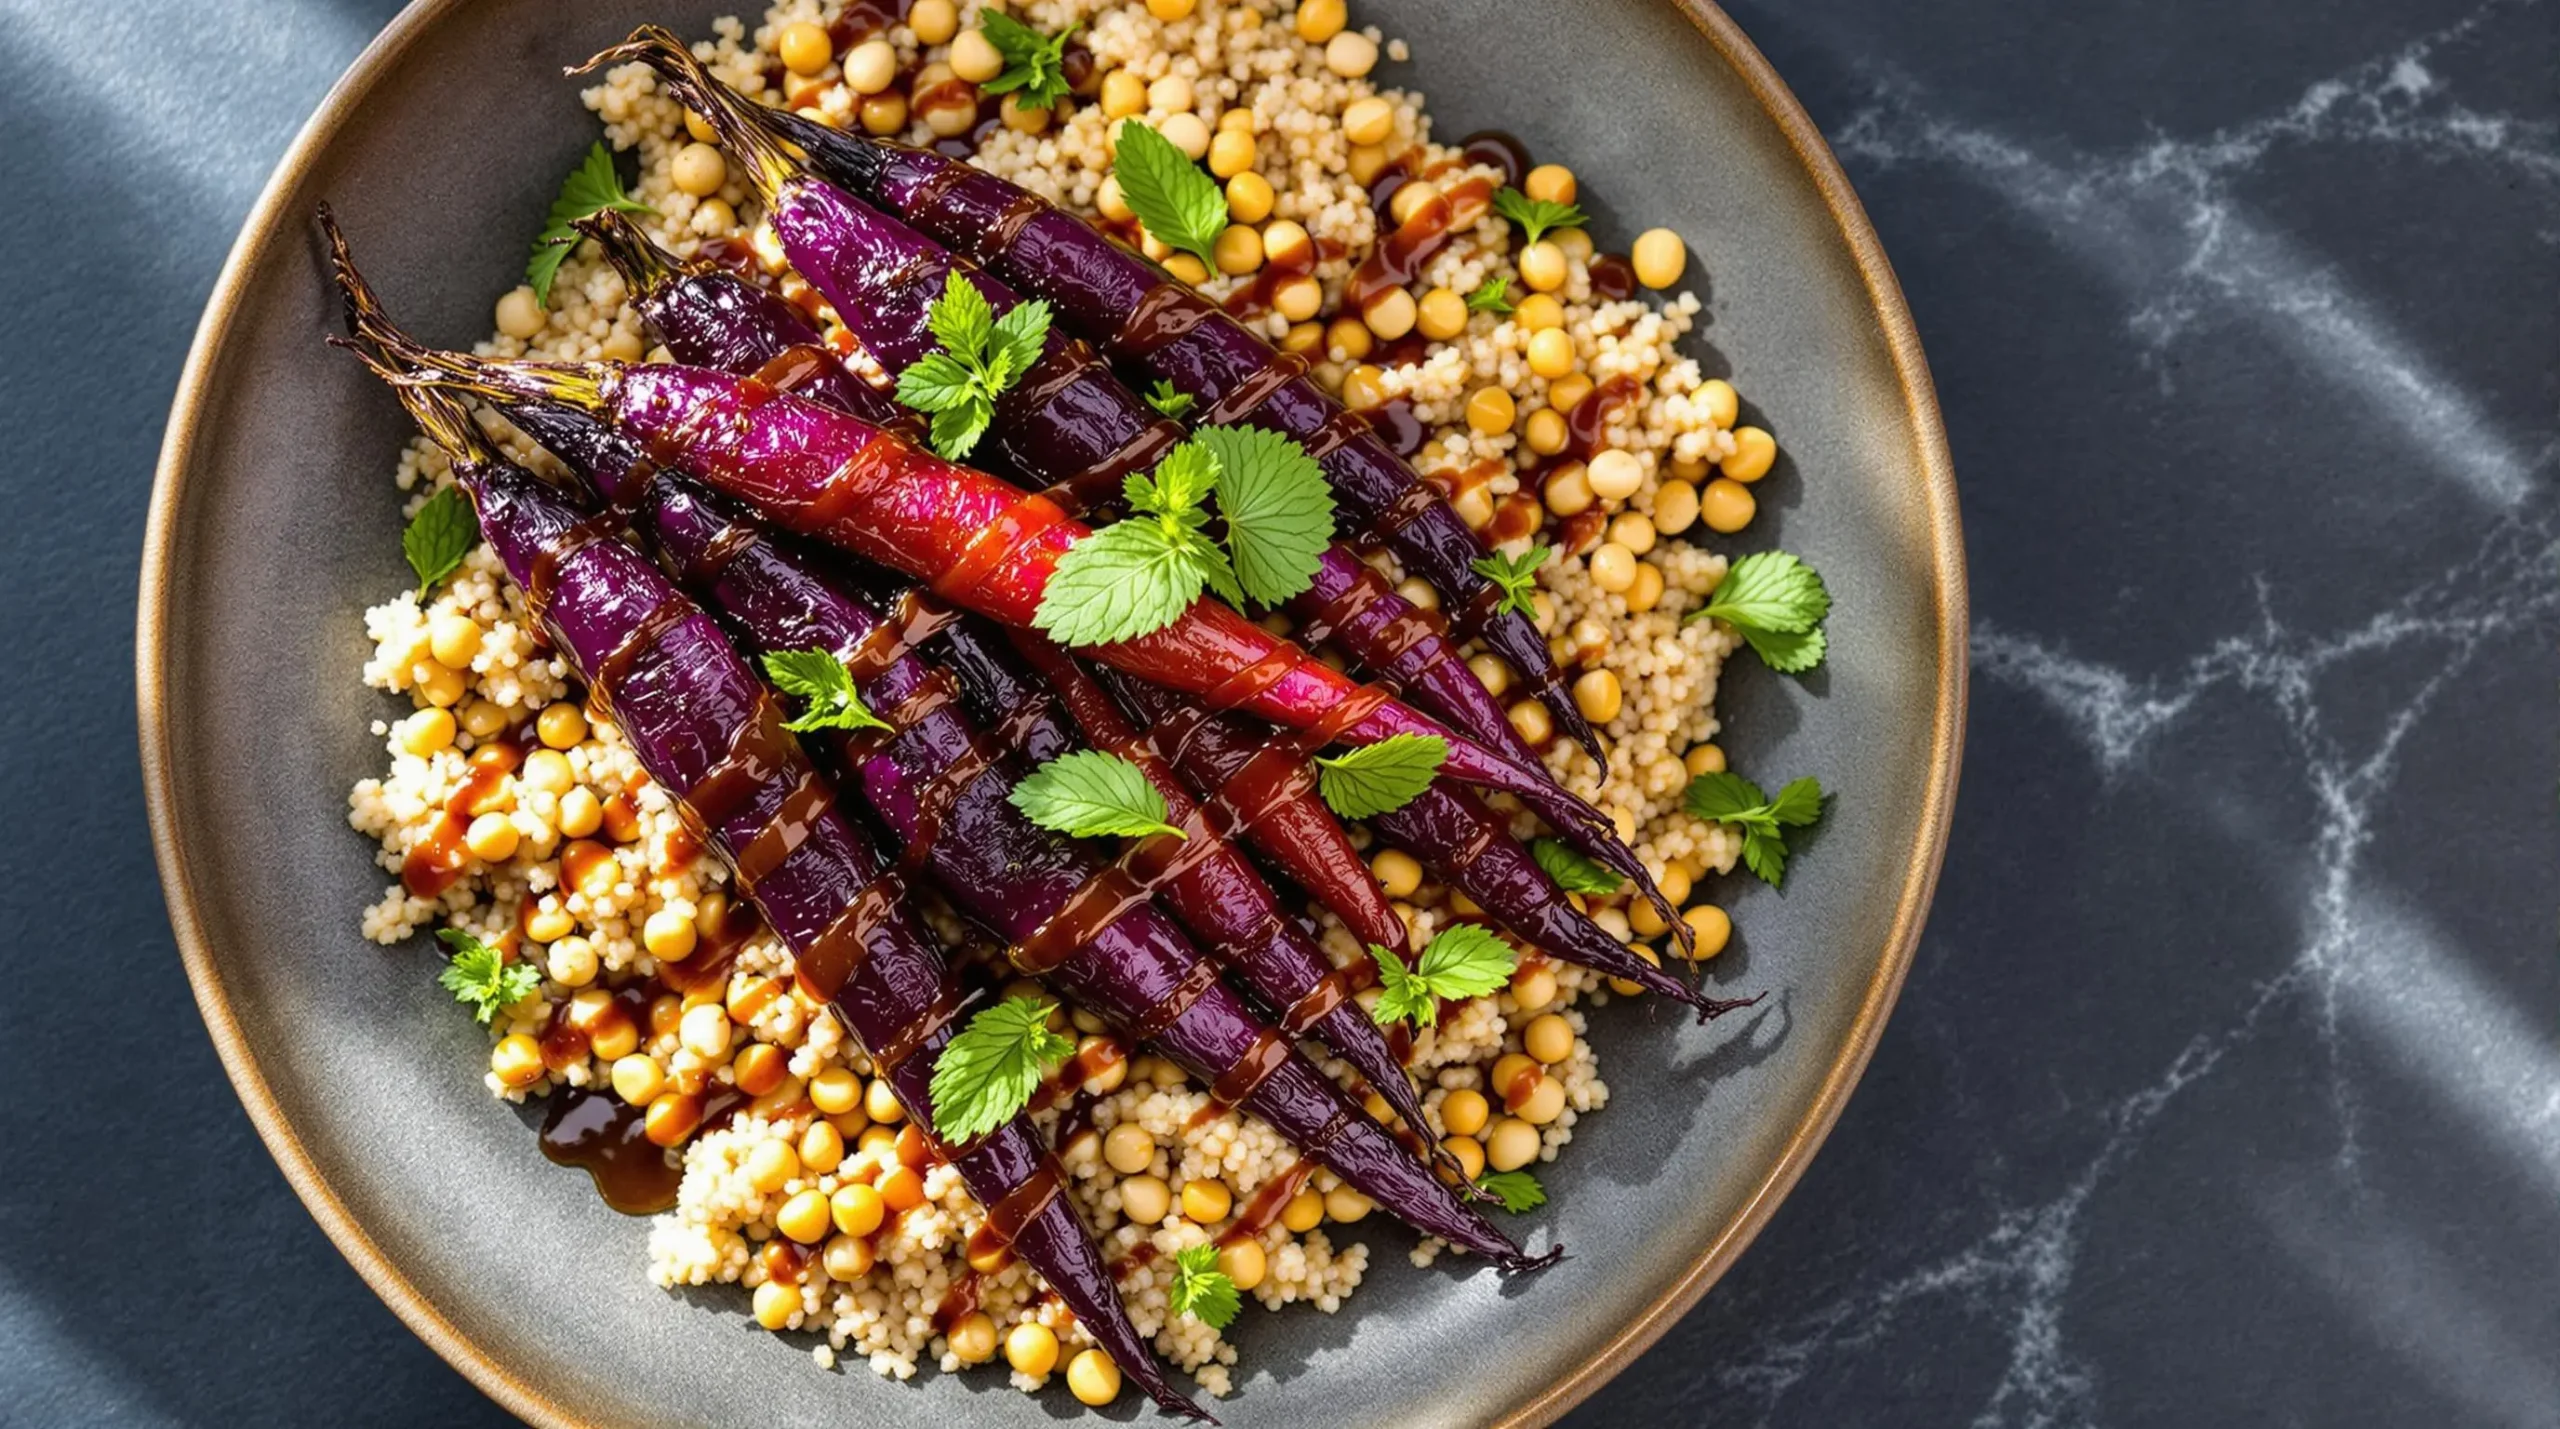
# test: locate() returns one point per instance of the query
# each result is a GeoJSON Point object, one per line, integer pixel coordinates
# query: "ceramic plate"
{"type": "Point", "coordinates": [273, 528]}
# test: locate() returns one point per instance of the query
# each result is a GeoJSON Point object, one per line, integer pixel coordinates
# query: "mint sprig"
{"type": "Point", "coordinates": [1201, 1290]}
{"type": "Point", "coordinates": [1178, 203]}
{"type": "Point", "coordinates": [439, 536]}
{"type": "Point", "coordinates": [1380, 778]}
{"type": "Point", "coordinates": [1535, 216]}
{"type": "Point", "coordinates": [481, 979]}
{"type": "Point", "coordinates": [1034, 63]}
{"type": "Point", "coordinates": [1517, 1190]}
{"type": "Point", "coordinates": [1493, 295]}
{"type": "Point", "coordinates": [1460, 962]}
{"type": "Point", "coordinates": [986, 1075]}
{"type": "Point", "coordinates": [1572, 872]}
{"type": "Point", "coordinates": [1727, 798]}
{"type": "Point", "coordinates": [1093, 794]}
{"type": "Point", "coordinates": [982, 356]}
{"type": "Point", "coordinates": [1516, 576]}
{"type": "Point", "coordinates": [590, 189]}
{"type": "Point", "coordinates": [820, 678]}
{"type": "Point", "coordinates": [1778, 604]}
{"type": "Point", "coordinates": [1168, 402]}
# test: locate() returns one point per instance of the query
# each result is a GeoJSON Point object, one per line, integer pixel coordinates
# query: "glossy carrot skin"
{"type": "Point", "coordinates": [1454, 835]}
{"type": "Point", "coordinates": [1139, 314]}
{"type": "Point", "coordinates": [943, 790]}
{"type": "Point", "coordinates": [1227, 905]}
{"type": "Point", "coordinates": [1299, 836]}
{"type": "Point", "coordinates": [1074, 431]}
{"type": "Point", "coordinates": [686, 702]}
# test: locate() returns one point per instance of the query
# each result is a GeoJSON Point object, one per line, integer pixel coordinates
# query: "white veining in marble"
{"type": "Point", "coordinates": [2165, 226]}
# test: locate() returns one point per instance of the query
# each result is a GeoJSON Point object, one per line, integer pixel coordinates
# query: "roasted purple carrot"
{"type": "Point", "coordinates": [1068, 427]}
{"type": "Point", "coordinates": [1228, 905]}
{"type": "Point", "coordinates": [1459, 840]}
{"type": "Point", "coordinates": [971, 538]}
{"type": "Point", "coordinates": [702, 723]}
{"type": "Point", "coordinates": [1140, 314]}
{"type": "Point", "coordinates": [1071, 917]}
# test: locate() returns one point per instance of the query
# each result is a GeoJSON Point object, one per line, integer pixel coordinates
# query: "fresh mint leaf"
{"type": "Point", "coordinates": [820, 678]}
{"type": "Point", "coordinates": [1201, 1290]}
{"type": "Point", "coordinates": [1778, 604]}
{"type": "Point", "coordinates": [1034, 63]}
{"type": "Point", "coordinates": [987, 1074]}
{"type": "Point", "coordinates": [982, 356]}
{"type": "Point", "coordinates": [1278, 509]}
{"type": "Point", "coordinates": [1168, 402]}
{"type": "Point", "coordinates": [1517, 1190]}
{"type": "Point", "coordinates": [1093, 794]}
{"type": "Point", "coordinates": [1493, 295]}
{"type": "Point", "coordinates": [1516, 576]}
{"type": "Point", "coordinates": [1572, 872]}
{"type": "Point", "coordinates": [590, 189]}
{"type": "Point", "coordinates": [439, 536]}
{"type": "Point", "coordinates": [1535, 216]}
{"type": "Point", "coordinates": [1460, 962]}
{"type": "Point", "coordinates": [1380, 778]}
{"type": "Point", "coordinates": [1178, 203]}
{"type": "Point", "coordinates": [1727, 798]}
{"type": "Point", "coordinates": [480, 978]}
{"type": "Point", "coordinates": [1128, 579]}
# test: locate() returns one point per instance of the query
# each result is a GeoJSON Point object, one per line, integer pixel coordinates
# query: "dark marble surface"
{"type": "Point", "coordinates": [2227, 1086]}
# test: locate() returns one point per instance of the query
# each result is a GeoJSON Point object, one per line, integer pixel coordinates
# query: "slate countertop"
{"type": "Point", "coordinates": [2226, 1088]}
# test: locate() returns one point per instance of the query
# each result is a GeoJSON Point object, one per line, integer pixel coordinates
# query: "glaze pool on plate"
{"type": "Point", "coordinates": [271, 530]}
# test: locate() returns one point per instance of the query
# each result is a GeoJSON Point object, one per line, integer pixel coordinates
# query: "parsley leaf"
{"type": "Point", "coordinates": [1382, 777]}
{"type": "Point", "coordinates": [1517, 1190]}
{"type": "Point", "coordinates": [1536, 215]}
{"type": "Point", "coordinates": [590, 189]}
{"type": "Point", "coordinates": [820, 678]}
{"type": "Point", "coordinates": [1460, 962]}
{"type": "Point", "coordinates": [1034, 63]}
{"type": "Point", "coordinates": [1201, 1290]}
{"type": "Point", "coordinates": [439, 536]}
{"type": "Point", "coordinates": [1572, 872]}
{"type": "Point", "coordinates": [1728, 798]}
{"type": "Point", "coordinates": [1516, 575]}
{"type": "Point", "coordinates": [1091, 794]}
{"type": "Point", "coordinates": [1778, 603]}
{"type": "Point", "coordinates": [1278, 508]}
{"type": "Point", "coordinates": [1165, 400]}
{"type": "Point", "coordinates": [987, 1074]}
{"type": "Point", "coordinates": [1493, 295]}
{"type": "Point", "coordinates": [982, 356]}
{"type": "Point", "coordinates": [480, 979]}
{"type": "Point", "coordinates": [1179, 204]}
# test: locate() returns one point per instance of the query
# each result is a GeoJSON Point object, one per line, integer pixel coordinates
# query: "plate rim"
{"type": "Point", "coordinates": [1933, 466]}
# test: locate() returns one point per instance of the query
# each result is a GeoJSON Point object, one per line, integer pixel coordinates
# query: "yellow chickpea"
{"type": "Point", "coordinates": [1206, 1201]}
{"type": "Point", "coordinates": [1491, 672]}
{"type": "Point", "coordinates": [1297, 299]}
{"type": "Point", "coordinates": [1538, 312]}
{"type": "Point", "coordinates": [482, 719]}
{"type": "Point", "coordinates": [1551, 352]}
{"type": "Point", "coordinates": [776, 1304]}
{"type": "Point", "coordinates": [700, 128]}
{"type": "Point", "coordinates": [934, 21]}
{"type": "Point", "coordinates": [1092, 1376]}
{"type": "Point", "coordinates": [561, 725]}
{"type": "Point", "coordinates": [1128, 1148]}
{"type": "Point", "coordinates": [1351, 54]}
{"type": "Point", "coordinates": [698, 169]}
{"type": "Point", "coordinates": [1391, 315]}
{"type": "Point", "coordinates": [1530, 720]}
{"type": "Point", "coordinates": [442, 684]}
{"type": "Point", "coordinates": [1550, 183]}
{"type": "Point", "coordinates": [821, 1147]}
{"type": "Point", "coordinates": [805, 48]}
{"type": "Point", "coordinates": [1548, 1038]}
{"type": "Point", "coordinates": [870, 67]}
{"type": "Point", "coordinates": [1723, 404]}
{"type": "Point", "coordinates": [1410, 199]}
{"type": "Point", "coordinates": [1542, 265]}
{"type": "Point", "coordinates": [1463, 1112]}
{"type": "Point", "coordinates": [1753, 451]}
{"type": "Point", "coordinates": [1659, 257]}
{"type": "Point", "coordinates": [1615, 474]}
{"type": "Point", "coordinates": [1348, 339]}
{"type": "Point", "coordinates": [973, 1340]}
{"type": "Point", "coordinates": [1441, 315]}
{"type": "Point", "coordinates": [1568, 488]}
{"type": "Point", "coordinates": [1469, 1154]}
{"type": "Point", "coordinates": [1364, 387]}
{"type": "Point", "coordinates": [1146, 1199]}
{"type": "Point", "coordinates": [884, 114]}
{"type": "Point", "coordinates": [1726, 505]}
{"type": "Point", "coordinates": [1188, 132]}
{"type": "Point", "coordinates": [492, 838]}
{"type": "Point", "coordinates": [1249, 197]}
{"type": "Point", "coordinates": [427, 732]}
{"type": "Point", "coordinates": [1239, 250]}
{"type": "Point", "coordinates": [1123, 94]}
{"type": "Point", "coordinates": [1490, 411]}
{"type": "Point", "coordinates": [517, 1060]}
{"type": "Point", "coordinates": [520, 313]}
{"type": "Point", "coordinates": [1713, 927]}
{"type": "Point", "coordinates": [1230, 153]}
{"type": "Point", "coordinates": [1629, 987]}
{"type": "Point", "coordinates": [1534, 989]}
{"type": "Point", "coordinates": [1566, 392]}
{"type": "Point", "coordinates": [549, 923]}
{"type": "Point", "coordinates": [1613, 567]}
{"type": "Point", "coordinates": [1347, 1206]}
{"type": "Point", "coordinates": [835, 1090]}
{"type": "Point", "coordinates": [1633, 530]}
{"type": "Point", "coordinates": [454, 639]}
{"type": "Point", "coordinates": [1245, 1263]}
{"type": "Point", "coordinates": [581, 813]}
{"type": "Point", "coordinates": [1171, 10]}
{"type": "Point", "coordinates": [1512, 1144]}
{"type": "Point", "coordinates": [1598, 696]}
{"type": "Point", "coordinates": [857, 1209]}
{"type": "Point", "coordinates": [1023, 118]}
{"type": "Point", "coordinates": [1304, 1212]}
{"type": "Point", "coordinates": [1675, 507]}
{"type": "Point", "coordinates": [1321, 20]}
{"type": "Point", "coordinates": [638, 1080]}
{"type": "Point", "coordinates": [975, 58]}
{"type": "Point", "coordinates": [1646, 593]}
{"type": "Point", "coordinates": [880, 1103]}
{"type": "Point", "coordinates": [1032, 1349]}
{"type": "Point", "coordinates": [706, 1031]}
{"type": "Point", "coordinates": [771, 1166]}
{"type": "Point", "coordinates": [1704, 759]}
{"type": "Point", "coordinates": [849, 1258]}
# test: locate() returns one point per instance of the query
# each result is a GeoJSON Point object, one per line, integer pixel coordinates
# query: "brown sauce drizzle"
{"type": "Point", "coordinates": [1396, 425]}
{"type": "Point", "coordinates": [792, 823]}
{"type": "Point", "coordinates": [1100, 484]}
{"type": "Point", "coordinates": [1612, 277]}
{"type": "Point", "coordinates": [1398, 260]}
{"type": "Point", "coordinates": [998, 540]}
{"type": "Point", "coordinates": [863, 19]}
{"type": "Point", "coordinates": [436, 861]}
{"type": "Point", "coordinates": [1402, 632]}
{"type": "Point", "coordinates": [958, 1304]}
{"type": "Point", "coordinates": [1167, 314]}
{"type": "Point", "coordinates": [712, 957]}
{"type": "Point", "coordinates": [542, 580]}
{"type": "Point", "coordinates": [661, 620]}
{"type": "Point", "coordinates": [1493, 149]}
{"type": "Point", "coordinates": [1263, 1212]}
{"type": "Point", "coordinates": [604, 1136]}
{"type": "Point", "coordinates": [759, 750]}
{"type": "Point", "coordinates": [823, 968]}
{"type": "Point", "coordinates": [1246, 397]}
